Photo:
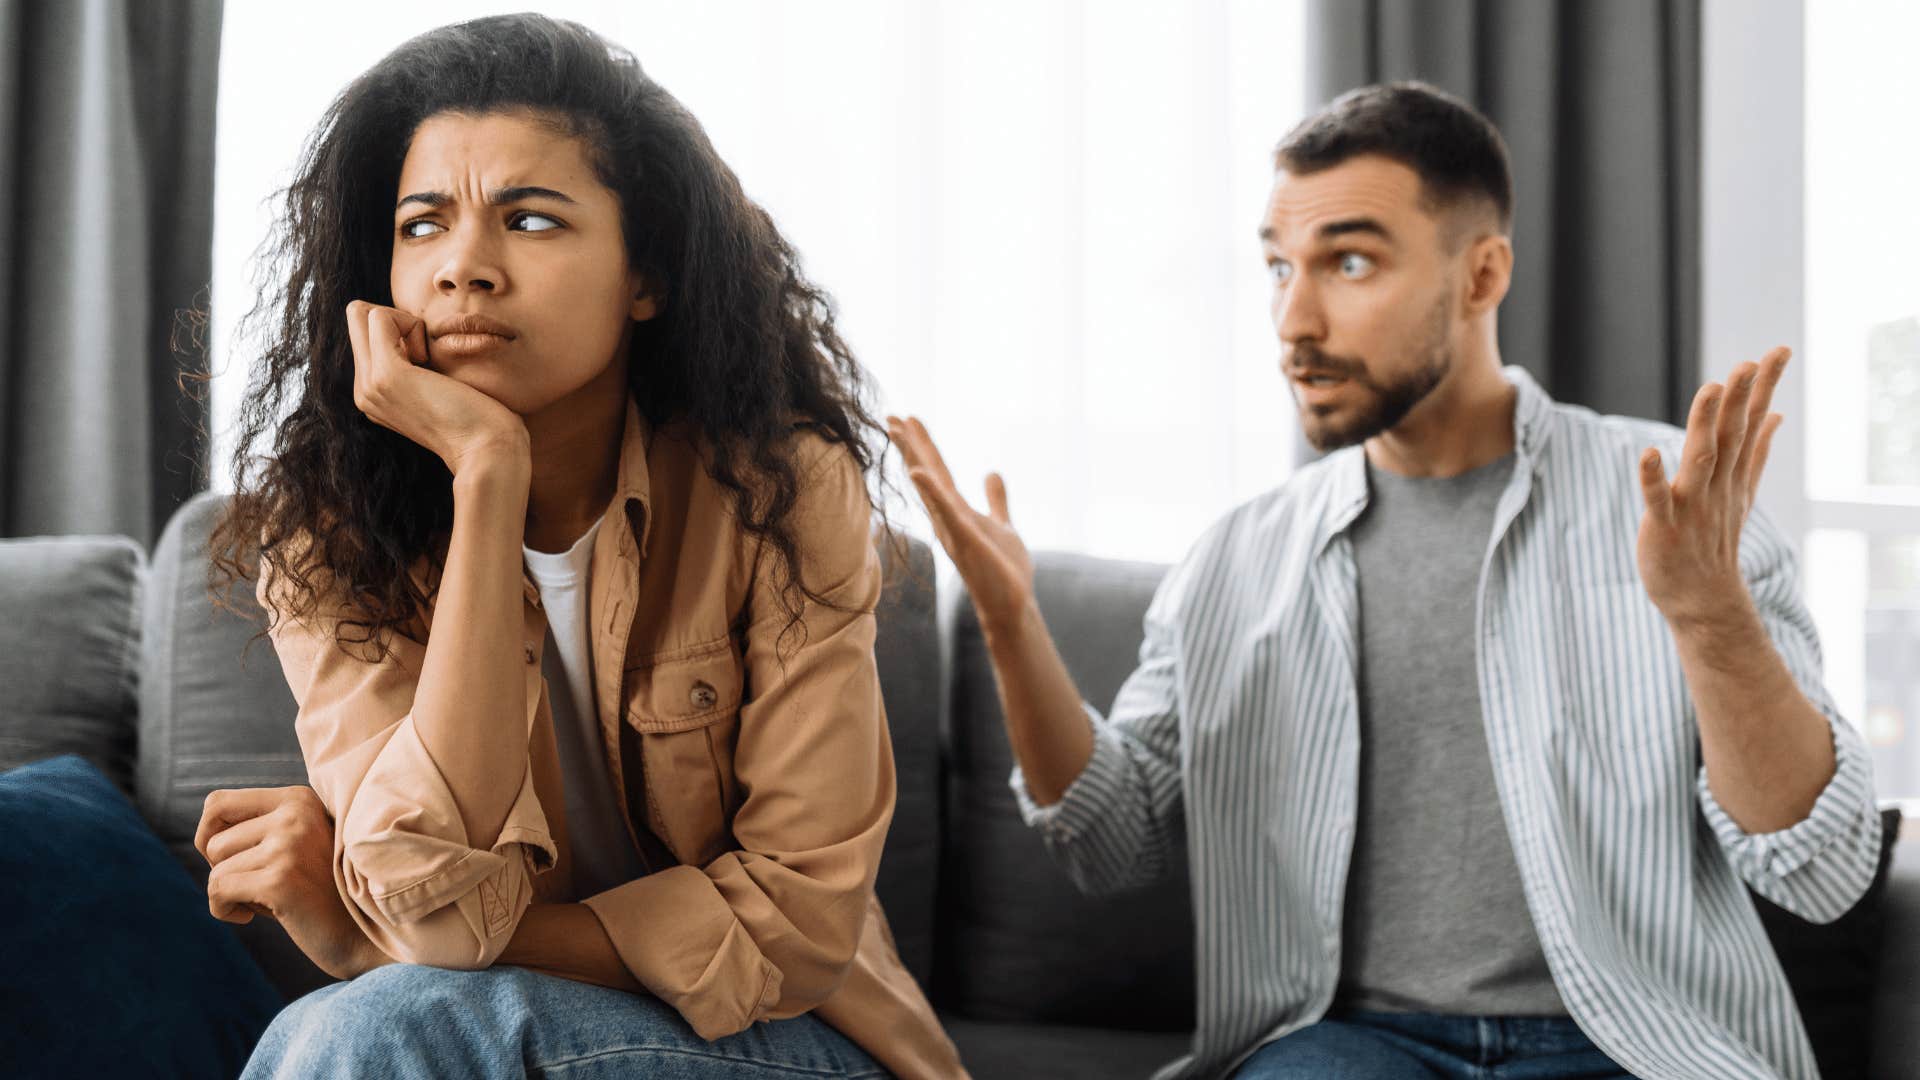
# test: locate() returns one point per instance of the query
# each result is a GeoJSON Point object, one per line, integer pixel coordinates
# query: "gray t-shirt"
{"type": "Point", "coordinates": [1436, 920]}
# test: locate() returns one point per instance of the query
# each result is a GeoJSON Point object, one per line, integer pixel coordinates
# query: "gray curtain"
{"type": "Point", "coordinates": [106, 228]}
{"type": "Point", "coordinates": [1599, 101]}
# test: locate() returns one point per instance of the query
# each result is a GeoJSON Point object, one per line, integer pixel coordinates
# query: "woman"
{"type": "Point", "coordinates": [599, 780]}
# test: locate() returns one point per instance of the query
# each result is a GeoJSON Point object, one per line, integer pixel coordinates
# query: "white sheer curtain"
{"type": "Point", "coordinates": [1037, 217]}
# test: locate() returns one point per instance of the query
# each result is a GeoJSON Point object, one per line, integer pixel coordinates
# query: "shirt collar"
{"type": "Point", "coordinates": [633, 489]}
{"type": "Point", "coordinates": [1347, 484]}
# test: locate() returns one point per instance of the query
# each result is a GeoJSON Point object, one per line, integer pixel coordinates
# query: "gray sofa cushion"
{"type": "Point", "coordinates": [69, 643]}
{"type": "Point", "coordinates": [1006, 1051]}
{"type": "Point", "coordinates": [908, 652]}
{"type": "Point", "coordinates": [215, 713]}
{"type": "Point", "coordinates": [1017, 940]}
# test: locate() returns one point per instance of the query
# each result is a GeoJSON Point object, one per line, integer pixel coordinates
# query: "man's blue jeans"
{"type": "Point", "coordinates": [408, 1021]}
{"type": "Point", "coordinates": [1366, 1046]}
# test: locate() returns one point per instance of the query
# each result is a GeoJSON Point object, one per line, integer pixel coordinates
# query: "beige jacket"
{"type": "Point", "coordinates": [764, 782]}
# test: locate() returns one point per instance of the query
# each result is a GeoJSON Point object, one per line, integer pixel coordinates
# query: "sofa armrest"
{"type": "Point", "coordinates": [1896, 1038]}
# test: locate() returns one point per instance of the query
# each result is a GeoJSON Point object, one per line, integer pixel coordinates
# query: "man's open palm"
{"type": "Point", "coordinates": [986, 550]}
{"type": "Point", "coordinates": [1689, 546]}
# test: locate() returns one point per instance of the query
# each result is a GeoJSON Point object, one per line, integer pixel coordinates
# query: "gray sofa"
{"type": "Point", "coordinates": [157, 686]}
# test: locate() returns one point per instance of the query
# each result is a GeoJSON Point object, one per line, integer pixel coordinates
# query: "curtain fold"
{"type": "Point", "coordinates": [1600, 106]}
{"type": "Point", "coordinates": [106, 229]}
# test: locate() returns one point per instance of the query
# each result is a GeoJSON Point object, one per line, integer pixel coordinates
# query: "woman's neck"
{"type": "Point", "coordinates": [576, 459]}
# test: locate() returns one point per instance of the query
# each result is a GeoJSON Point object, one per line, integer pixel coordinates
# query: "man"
{"type": "Point", "coordinates": [1476, 726]}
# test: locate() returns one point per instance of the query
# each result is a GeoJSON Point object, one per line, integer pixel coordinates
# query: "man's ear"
{"type": "Point", "coordinates": [1489, 272]}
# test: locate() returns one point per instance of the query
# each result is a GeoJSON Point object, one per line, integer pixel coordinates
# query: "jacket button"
{"type": "Point", "coordinates": [703, 696]}
{"type": "Point", "coordinates": [528, 645]}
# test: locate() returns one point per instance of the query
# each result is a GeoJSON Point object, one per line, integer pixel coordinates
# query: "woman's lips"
{"type": "Point", "coordinates": [467, 344]}
{"type": "Point", "coordinates": [468, 333]}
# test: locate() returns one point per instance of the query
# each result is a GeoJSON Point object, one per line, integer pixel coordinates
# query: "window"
{"type": "Point", "coordinates": [1863, 394]}
{"type": "Point", "coordinates": [1037, 218]}
{"type": "Point", "coordinates": [1809, 219]}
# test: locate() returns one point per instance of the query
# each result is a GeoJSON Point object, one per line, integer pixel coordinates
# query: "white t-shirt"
{"type": "Point", "coordinates": [603, 855]}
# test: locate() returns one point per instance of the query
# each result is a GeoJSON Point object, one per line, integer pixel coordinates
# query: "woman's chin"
{"type": "Point", "coordinates": [499, 385]}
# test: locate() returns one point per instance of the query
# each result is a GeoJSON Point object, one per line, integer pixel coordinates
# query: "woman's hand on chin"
{"type": "Point", "coordinates": [394, 388]}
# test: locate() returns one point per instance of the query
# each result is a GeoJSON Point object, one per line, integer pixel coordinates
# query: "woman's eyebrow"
{"type": "Point", "coordinates": [433, 200]}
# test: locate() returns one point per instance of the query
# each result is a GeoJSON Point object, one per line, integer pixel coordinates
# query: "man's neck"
{"type": "Point", "coordinates": [1466, 422]}
{"type": "Point", "coordinates": [576, 460]}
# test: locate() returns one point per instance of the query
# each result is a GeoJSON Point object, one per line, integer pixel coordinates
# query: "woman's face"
{"type": "Point", "coordinates": [500, 220]}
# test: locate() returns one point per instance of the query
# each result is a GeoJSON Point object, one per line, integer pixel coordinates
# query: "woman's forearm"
{"type": "Point", "coordinates": [567, 940]}
{"type": "Point", "coordinates": [470, 707]}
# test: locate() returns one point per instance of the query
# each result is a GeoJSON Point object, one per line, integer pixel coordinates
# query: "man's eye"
{"type": "Point", "coordinates": [533, 222]}
{"type": "Point", "coordinates": [1281, 271]}
{"type": "Point", "coordinates": [413, 228]}
{"type": "Point", "coordinates": [1355, 266]}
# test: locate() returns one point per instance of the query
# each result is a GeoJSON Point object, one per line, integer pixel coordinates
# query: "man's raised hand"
{"type": "Point", "coordinates": [1689, 545]}
{"type": "Point", "coordinates": [986, 550]}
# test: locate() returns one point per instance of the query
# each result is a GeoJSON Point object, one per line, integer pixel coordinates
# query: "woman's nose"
{"type": "Point", "coordinates": [471, 263]}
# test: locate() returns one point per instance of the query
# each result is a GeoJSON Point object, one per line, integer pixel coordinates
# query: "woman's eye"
{"type": "Point", "coordinates": [533, 222]}
{"type": "Point", "coordinates": [1355, 266]}
{"type": "Point", "coordinates": [413, 228]}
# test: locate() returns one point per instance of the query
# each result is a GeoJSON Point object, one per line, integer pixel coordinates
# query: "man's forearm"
{"type": "Point", "coordinates": [1768, 751]}
{"type": "Point", "coordinates": [567, 940]}
{"type": "Point", "coordinates": [1046, 725]}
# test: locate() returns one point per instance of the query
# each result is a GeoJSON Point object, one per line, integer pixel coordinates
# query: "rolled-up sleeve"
{"type": "Point", "coordinates": [1820, 866]}
{"type": "Point", "coordinates": [413, 881]}
{"type": "Point", "coordinates": [768, 930]}
{"type": "Point", "coordinates": [1115, 825]}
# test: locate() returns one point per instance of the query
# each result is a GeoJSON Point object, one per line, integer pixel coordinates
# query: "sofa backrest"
{"type": "Point", "coordinates": [69, 634]}
{"type": "Point", "coordinates": [216, 714]}
{"type": "Point", "coordinates": [1017, 940]}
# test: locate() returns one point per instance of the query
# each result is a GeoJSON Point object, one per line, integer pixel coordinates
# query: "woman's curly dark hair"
{"type": "Point", "coordinates": [742, 351]}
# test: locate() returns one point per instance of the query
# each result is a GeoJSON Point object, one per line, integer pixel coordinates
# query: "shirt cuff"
{"type": "Point", "coordinates": [405, 848]}
{"type": "Point", "coordinates": [1079, 805]}
{"type": "Point", "coordinates": [1779, 853]}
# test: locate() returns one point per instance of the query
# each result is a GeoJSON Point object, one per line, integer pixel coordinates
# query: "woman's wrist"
{"type": "Point", "coordinates": [500, 470]}
{"type": "Point", "coordinates": [507, 455]}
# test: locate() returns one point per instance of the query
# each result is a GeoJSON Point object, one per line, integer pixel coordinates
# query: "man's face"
{"type": "Point", "coordinates": [502, 217]}
{"type": "Point", "coordinates": [1363, 296]}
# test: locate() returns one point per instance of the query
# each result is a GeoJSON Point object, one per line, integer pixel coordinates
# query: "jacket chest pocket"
{"type": "Point", "coordinates": [684, 707]}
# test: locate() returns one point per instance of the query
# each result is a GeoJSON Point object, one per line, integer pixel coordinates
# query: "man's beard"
{"type": "Point", "coordinates": [1388, 403]}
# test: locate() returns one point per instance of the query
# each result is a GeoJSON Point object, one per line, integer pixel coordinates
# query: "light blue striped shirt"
{"type": "Point", "coordinates": [1240, 726]}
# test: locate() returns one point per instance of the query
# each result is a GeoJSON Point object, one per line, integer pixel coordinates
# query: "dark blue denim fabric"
{"type": "Point", "coordinates": [110, 964]}
{"type": "Point", "coordinates": [1375, 1046]}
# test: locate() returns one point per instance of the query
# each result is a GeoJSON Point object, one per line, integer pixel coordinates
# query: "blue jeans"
{"type": "Point", "coordinates": [406, 1020]}
{"type": "Point", "coordinates": [1366, 1046]}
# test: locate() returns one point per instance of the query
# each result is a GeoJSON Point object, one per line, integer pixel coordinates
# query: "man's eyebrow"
{"type": "Point", "coordinates": [1354, 225]}
{"type": "Point", "coordinates": [1333, 229]}
{"type": "Point", "coordinates": [434, 200]}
